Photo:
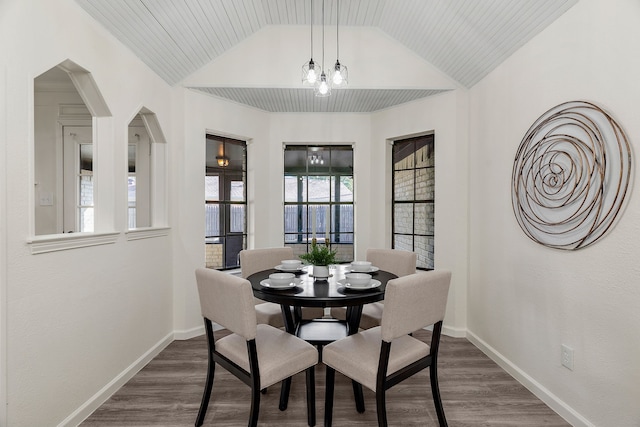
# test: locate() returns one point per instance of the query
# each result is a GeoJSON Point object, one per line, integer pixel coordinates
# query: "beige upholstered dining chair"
{"type": "Point", "coordinates": [400, 263]}
{"type": "Point", "coordinates": [381, 357]}
{"type": "Point", "coordinates": [258, 354]}
{"type": "Point", "coordinates": [254, 260]}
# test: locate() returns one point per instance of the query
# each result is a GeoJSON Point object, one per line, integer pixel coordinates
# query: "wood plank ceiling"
{"type": "Point", "coordinates": [465, 39]}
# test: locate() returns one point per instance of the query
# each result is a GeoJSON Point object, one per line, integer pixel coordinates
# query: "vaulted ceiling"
{"type": "Point", "coordinates": [463, 39]}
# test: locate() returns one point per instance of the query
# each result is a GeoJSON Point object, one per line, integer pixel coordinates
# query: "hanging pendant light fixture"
{"type": "Point", "coordinates": [340, 72]}
{"type": "Point", "coordinates": [322, 87]}
{"type": "Point", "coordinates": [310, 70]}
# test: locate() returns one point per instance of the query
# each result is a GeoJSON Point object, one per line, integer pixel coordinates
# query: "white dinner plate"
{"type": "Point", "coordinates": [372, 285]}
{"type": "Point", "coordinates": [267, 284]}
{"type": "Point", "coordinates": [289, 270]}
{"type": "Point", "coordinates": [371, 269]}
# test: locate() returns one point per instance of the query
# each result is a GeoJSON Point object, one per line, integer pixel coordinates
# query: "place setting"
{"type": "Point", "coordinates": [363, 267]}
{"type": "Point", "coordinates": [359, 282]}
{"type": "Point", "coordinates": [291, 266]}
{"type": "Point", "coordinates": [281, 282]}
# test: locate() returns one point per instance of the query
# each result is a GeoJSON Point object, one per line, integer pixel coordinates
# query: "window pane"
{"type": "Point", "coordinates": [344, 192]}
{"type": "Point", "coordinates": [237, 191]}
{"type": "Point", "coordinates": [403, 155]}
{"type": "Point", "coordinates": [236, 219]}
{"type": "Point", "coordinates": [295, 160]}
{"type": "Point", "coordinates": [424, 152]}
{"type": "Point", "coordinates": [319, 188]}
{"type": "Point", "coordinates": [424, 218]}
{"type": "Point", "coordinates": [425, 184]}
{"type": "Point", "coordinates": [86, 190]}
{"type": "Point", "coordinates": [403, 185]}
{"type": "Point", "coordinates": [403, 217]}
{"type": "Point", "coordinates": [86, 157]}
{"type": "Point", "coordinates": [424, 249]}
{"type": "Point", "coordinates": [295, 189]}
{"type": "Point", "coordinates": [132, 217]}
{"type": "Point", "coordinates": [131, 191]}
{"type": "Point", "coordinates": [86, 220]}
{"type": "Point", "coordinates": [212, 188]}
{"type": "Point", "coordinates": [404, 243]}
{"type": "Point", "coordinates": [212, 219]}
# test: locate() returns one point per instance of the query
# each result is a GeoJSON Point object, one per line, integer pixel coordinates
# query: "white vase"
{"type": "Point", "coordinates": [321, 272]}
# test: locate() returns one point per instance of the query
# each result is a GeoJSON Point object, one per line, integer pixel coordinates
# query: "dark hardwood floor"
{"type": "Point", "coordinates": [475, 392]}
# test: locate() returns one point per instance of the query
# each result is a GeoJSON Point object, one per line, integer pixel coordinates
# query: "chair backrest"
{"type": "Point", "coordinates": [414, 302]}
{"type": "Point", "coordinates": [400, 263]}
{"type": "Point", "coordinates": [254, 260]}
{"type": "Point", "coordinates": [228, 301]}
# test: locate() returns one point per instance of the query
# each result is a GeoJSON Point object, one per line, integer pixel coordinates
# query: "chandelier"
{"type": "Point", "coordinates": [314, 74]}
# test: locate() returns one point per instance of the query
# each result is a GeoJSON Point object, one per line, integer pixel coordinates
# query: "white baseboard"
{"type": "Point", "coordinates": [189, 333]}
{"type": "Point", "coordinates": [541, 392]}
{"type": "Point", "coordinates": [114, 385]}
{"type": "Point", "coordinates": [454, 332]}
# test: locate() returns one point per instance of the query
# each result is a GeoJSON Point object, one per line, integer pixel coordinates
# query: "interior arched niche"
{"type": "Point", "coordinates": [67, 103]}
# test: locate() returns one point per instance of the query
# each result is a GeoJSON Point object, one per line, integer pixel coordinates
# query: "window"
{"type": "Point", "coordinates": [413, 197]}
{"type": "Point", "coordinates": [139, 163]}
{"type": "Point", "coordinates": [67, 107]}
{"type": "Point", "coordinates": [225, 201]}
{"type": "Point", "coordinates": [146, 179]}
{"type": "Point", "coordinates": [318, 198]}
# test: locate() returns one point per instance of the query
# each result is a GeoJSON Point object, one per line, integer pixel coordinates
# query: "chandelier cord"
{"type": "Point", "coordinates": [337, 30]}
{"type": "Point", "coordinates": [323, 36]}
{"type": "Point", "coordinates": [311, 26]}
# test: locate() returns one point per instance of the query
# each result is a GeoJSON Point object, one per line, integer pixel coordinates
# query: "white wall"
{"type": "Point", "coordinates": [525, 300]}
{"type": "Point", "coordinates": [445, 115]}
{"type": "Point", "coordinates": [204, 114]}
{"type": "Point", "coordinates": [76, 319]}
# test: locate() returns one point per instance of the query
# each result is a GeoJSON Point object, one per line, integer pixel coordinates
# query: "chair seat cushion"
{"type": "Point", "coordinates": [371, 314]}
{"type": "Point", "coordinates": [280, 355]}
{"type": "Point", "coordinates": [366, 345]}
{"type": "Point", "coordinates": [269, 313]}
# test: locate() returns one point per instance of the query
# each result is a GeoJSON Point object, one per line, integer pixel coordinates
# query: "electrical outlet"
{"type": "Point", "coordinates": [566, 357]}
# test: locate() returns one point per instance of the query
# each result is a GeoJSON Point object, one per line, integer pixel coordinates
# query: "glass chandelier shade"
{"type": "Point", "coordinates": [310, 73]}
{"type": "Point", "coordinates": [340, 75]}
{"type": "Point", "coordinates": [322, 87]}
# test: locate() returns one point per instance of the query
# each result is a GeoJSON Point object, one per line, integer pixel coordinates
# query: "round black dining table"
{"type": "Point", "coordinates": [311, 292]}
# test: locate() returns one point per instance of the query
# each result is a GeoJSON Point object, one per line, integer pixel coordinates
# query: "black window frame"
{"type": "Point", "coordinates": [337, 234]}
{"type": "Point", "coordinates": [228, 169]}
{"type": "Point", "coordinates": [403, 148]}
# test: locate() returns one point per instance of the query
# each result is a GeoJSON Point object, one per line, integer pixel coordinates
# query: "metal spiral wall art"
{"type": "Point", "coordinates": [570, 176]}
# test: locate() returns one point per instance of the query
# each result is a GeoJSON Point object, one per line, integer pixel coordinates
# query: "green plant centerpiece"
{"type": "Point", "coordinates": [320, 256]}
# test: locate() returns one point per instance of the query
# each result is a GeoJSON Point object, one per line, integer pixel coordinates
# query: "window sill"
{"type": "Point", "coordinates": [146, 233]}
{"type": "Point", "coordinates": [62, 242]}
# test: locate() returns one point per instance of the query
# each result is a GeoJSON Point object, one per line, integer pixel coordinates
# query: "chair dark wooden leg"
{"type": "Point", "coordinates": [381, 405]}
{"type": "Point", "coordinates": [328, 399]}
{"type": "Point", "coordinates": [211, 367]}
{"type": "Point", "coordinates": [207, 392]}
{"type": "Point", "coordinates": [255, 407]}
{"type": "Point", "coordinates": [311, 396]}
{"type": "Point", "coordinates": [435, 391]}
{"type": "Point", "coordinates": [284, 393]}
{"type": "Point", "coordinates": [433, 373]}
{"type": "Point", "coordinates": [358, 395]}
